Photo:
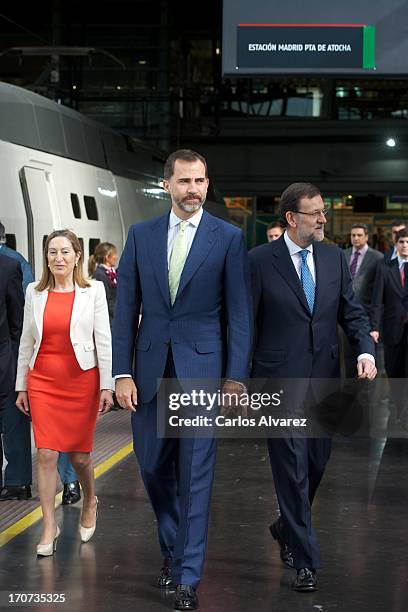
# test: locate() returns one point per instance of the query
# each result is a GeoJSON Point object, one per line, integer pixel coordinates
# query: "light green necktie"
{"type": "Point", "coordinates": [177, 260]}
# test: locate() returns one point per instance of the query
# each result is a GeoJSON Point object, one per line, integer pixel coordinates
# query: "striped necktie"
{"type": "Point", "coordinates": [307, 281]}
{"type": "Point", "coordinates": [177, 260]}
{"type": "Point", "coordinates": [354, 263]}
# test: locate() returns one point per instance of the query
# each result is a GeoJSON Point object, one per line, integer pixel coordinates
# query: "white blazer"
{"type": "Point", "coordinates": [89, 332]}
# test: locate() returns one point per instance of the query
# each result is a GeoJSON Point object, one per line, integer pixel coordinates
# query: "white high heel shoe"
{"type": "Point", "coordinates": [46, 550]}
{"type": "Point", "coordinates": [86, 533]}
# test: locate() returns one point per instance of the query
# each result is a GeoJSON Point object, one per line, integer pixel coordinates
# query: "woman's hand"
{"type": "Point", "coordinates": [105, 401]}
{"type": "Point", "coordinates": [22, 402]}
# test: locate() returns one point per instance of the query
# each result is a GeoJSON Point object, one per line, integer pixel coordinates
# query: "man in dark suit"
{"type": "Point", "coordinates": [11, 323]}
{"type": "Point", "coordinates": [390, 306]}
{"type": "Point", "coordinates": [302, 289]}
{"type": "Point", "coordinates": [190, 272]}
{"type": "Point", "coordinates": [363, 262]}
{"type": "Point", "coordinates": [391, 254]}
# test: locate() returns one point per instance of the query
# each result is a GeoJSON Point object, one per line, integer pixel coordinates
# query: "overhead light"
{"type": "Point", "coordinates": [74, 87]}
{"type": "Point", "coordinates": [142, 62]}
{"type": "Point", "coordinates": [349, 197]}
{"type": "Point", "coordinates": [217, 51]}
{"type": "Point", "coordinates": [110, 193]}
{"type": "Point", "coordinates": [118, 87]}
{"type": "Point", "coordinates": [391, 142]}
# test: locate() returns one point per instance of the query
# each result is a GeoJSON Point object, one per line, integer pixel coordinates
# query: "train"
{"type": "Point", "coordinates": [60, 169]}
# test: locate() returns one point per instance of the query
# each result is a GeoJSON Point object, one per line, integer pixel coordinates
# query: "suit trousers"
{"type": "Point", "coordinates": [15, 427]}
{"type": "Point", "coordinates": [298, 465]}
{"type": "Point", "coordinates": [178, 475]}
{"type": "Point", "coordinates": [396, 366]}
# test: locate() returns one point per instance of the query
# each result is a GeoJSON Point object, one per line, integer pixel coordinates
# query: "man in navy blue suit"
{"type": "Point", "coordinates": [302, 289]}
{"type": "Point", "coordinates": [189, 272]}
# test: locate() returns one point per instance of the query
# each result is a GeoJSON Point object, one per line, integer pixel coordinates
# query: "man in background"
{"type": "Point", "coordinates": [363, 262]}
{"type": "Point", "coordinates": [392, 254]}
{"type": "Point", "coordinates": [274, 231]}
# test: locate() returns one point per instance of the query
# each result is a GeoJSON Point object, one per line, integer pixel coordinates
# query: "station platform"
{"type": "Point", "coordinates": [359, 515]}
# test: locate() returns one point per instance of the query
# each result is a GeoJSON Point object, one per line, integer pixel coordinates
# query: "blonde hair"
{"type": "Point", "coordinates": [47, 279]}
{"type": "Point", "coordinates": [102, 251]}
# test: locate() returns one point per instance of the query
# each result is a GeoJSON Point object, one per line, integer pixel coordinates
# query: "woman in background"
{"type": "Point", "coordinates": [101, 266]}
{"type": "Point", "coordinates": [64, 375]}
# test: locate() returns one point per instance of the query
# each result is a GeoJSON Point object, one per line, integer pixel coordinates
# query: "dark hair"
{"type": "Point", "coordinates": [362, 226]}
{"type": "Point", "coordinates": [398, 222]}
{"type": "Point", "coordinates": [184, 155]}
{"type": "Point", "coordinates": [274, 224]}
{"type": "Point", "coordinates": [403, 233]}
{"type": "Point", "coordinates": [47, 279]}
{"type": "Point", "coordinates": [101, 252]}
{"type": "Point", "coordinates": [291, 197]}
{"type": "Point", "coordinates": [2, 233]}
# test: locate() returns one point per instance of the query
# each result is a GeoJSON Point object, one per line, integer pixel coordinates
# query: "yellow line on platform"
{"type": "Point", "coordinates": [36, 514]}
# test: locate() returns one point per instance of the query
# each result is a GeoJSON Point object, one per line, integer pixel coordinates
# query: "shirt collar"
{"type": "Point", "coordinates": [194, 220]}
{"type": "Point", "coordinates": [293, 247]}
{"type": "Point", "coordinates": [401, 261]}
{"type": "Point", "coordinates": [362, 251]}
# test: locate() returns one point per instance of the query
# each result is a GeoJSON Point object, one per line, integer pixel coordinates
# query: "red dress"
{"type": "Point", "coordinates": [64, 399]}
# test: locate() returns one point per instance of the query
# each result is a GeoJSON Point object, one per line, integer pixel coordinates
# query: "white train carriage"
{"type": "Point", "coordinates": [59, 169]}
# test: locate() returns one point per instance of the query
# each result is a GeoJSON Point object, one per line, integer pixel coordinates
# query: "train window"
{"type": "Point", "coordinates": [93, 243]}
{"type": "Point", "coordinates": [11, 241]}
{"type": "Point", "coordinates": [76, 209]}
{"type": "Point", "coordinates": [90, 207]}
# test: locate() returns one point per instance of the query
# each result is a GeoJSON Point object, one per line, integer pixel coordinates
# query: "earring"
{"type": "Point", "coordinates": [76, 264]}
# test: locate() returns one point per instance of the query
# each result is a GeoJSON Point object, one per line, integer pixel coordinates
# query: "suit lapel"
{"type": "Point", "coordinates": [395, 274]}
{"type": "Point", "coordinates": [80, 301]}
{"type": "Point", "coordinates": [157, 246]}
{"type": "Point", "coordinates": [283, 263]}
{"type": "Point", "coordinates": [202, 244]}
{"type": "Point", "coordinates": [39, 302]}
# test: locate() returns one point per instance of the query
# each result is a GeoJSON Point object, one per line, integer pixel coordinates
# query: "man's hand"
{"type": "Point", "coordinates": [375, 336]}
{"type": "Point", "coordinates": [366, 369]}
{"type": "Point", "coordinates": [126, 393]}
{"type": "Point", "coordinates": [231, 393]}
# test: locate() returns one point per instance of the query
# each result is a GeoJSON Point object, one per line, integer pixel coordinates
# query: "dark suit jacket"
{"type": "Point", "coordinates": [363, 283]}
{"type": "Point", "coordinates": [209, 327]}
{"type": "Point", "coordinates": [100, 275]}
{"type": "Point", "coordinates": [290, 341]}
{"type": "Point", "coordinates": [387, 302]}
{"type": "Point", "coordinates": [11, 320]}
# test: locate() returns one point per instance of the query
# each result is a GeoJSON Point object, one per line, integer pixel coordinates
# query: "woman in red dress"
{"type": "Point", "coordinates": [64, 374]}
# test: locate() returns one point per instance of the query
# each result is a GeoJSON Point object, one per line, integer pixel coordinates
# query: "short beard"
{"type": "Point", "coordinates": [189, 208]}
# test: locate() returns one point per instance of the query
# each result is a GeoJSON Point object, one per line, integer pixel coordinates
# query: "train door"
{"type": "Point", "coordinates": [42, 213]}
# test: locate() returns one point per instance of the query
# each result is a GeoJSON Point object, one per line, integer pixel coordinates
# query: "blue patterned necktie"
{"type": "Point", "coordinates": [307, 281]}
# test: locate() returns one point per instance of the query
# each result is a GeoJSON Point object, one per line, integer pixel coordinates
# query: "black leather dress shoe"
{"type": "Point", "coordinates": [305, 580]}
{"type": "Point", "coordinates": [10, 492]}
{"type": "Point", "coordinates": [71, 493]}
{"type": "Point", "coordinates": [285, 553]}
{"type": "Point", "coordinates": [164, 577]}
{"type": "Point", "coordinates": [186, 598]}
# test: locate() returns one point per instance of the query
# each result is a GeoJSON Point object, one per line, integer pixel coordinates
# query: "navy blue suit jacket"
{"type": "Point", "coordinates": [290, 341]}
{"type": "Point", "coordinates": [209, 327]}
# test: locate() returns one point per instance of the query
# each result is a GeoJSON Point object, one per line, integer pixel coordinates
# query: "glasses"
{"type": "Point", "coordinates": [316, 213]}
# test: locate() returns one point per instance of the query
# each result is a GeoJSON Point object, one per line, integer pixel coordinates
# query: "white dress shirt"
{"type": "Point", "coordinates": [294, 250]}
{"type": "Point", "coordinates": [174, 228]}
